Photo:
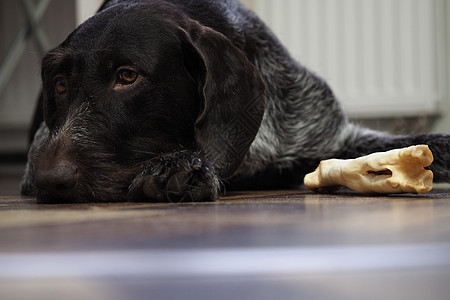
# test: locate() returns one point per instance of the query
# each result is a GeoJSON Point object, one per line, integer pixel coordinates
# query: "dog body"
{"type": "Point", "coordinates": [173, 99]}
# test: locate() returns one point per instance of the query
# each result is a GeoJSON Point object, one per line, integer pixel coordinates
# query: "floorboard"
{"type": "Point", "coordinates": [291, 244]}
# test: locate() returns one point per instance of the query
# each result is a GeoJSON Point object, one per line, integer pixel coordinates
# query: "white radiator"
{"type": "Point", "coordinates": [381, 57]}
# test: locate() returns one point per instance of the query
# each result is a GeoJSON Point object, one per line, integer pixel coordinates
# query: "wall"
{"type": "Point", "coordinates": [86, 8]}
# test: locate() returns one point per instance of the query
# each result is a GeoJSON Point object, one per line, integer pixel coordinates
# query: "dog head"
{"type": "Point", "coordinates": [133, 82]}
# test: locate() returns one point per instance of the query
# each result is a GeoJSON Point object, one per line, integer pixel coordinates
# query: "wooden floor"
{"type": "Point", "coordinates": [249, 245]}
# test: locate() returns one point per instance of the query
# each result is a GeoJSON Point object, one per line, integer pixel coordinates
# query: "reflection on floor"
{"type": "Point", "coordinates": [249, 245]}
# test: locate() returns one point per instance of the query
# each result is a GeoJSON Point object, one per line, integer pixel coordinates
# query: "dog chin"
{"type": "Point", "coordinates": [90, 195]}
{"type": "Point", "coordinates": [43, 197]}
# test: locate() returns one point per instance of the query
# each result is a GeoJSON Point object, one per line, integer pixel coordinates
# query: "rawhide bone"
{"type": "Point", "coordinates": [395, 171]}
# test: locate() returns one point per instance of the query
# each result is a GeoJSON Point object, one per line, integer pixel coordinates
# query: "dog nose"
{"type": "Point", "coordinates": [58, 179]}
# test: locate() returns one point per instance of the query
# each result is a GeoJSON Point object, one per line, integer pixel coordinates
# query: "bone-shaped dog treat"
{"type": "Point", "coordinates": [394, 171]}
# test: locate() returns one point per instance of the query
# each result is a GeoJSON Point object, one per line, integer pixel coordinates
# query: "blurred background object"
{"type": "Point", "coordinates": [28, 28]}
{"type": "Point", "coordinates": [386, 61]}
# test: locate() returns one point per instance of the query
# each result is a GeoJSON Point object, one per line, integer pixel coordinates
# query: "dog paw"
{"type": "Point", "coordinates": [176, 178]}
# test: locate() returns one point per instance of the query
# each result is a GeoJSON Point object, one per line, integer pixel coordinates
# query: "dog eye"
{"type": "Point", "coordinates": [126, 76]}
{"type": "Point", "coordinates": [61, 86]}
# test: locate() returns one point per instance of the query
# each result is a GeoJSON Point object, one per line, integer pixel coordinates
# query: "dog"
{"type": "Point", "coordinates": [177, 100]}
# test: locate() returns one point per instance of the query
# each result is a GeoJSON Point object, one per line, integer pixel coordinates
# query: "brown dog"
{"type": "Point", "coordinates": [167, 99]}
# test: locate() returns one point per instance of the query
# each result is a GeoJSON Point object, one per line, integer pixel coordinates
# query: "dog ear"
{"type": "Point", "coordinates": [233, 98]}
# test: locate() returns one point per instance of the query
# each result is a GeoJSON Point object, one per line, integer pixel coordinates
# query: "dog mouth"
{"type": "Point", "coordinates": [84, 193]}
{"type": "Point", "coordinates": [64, 184]}
{"type": "Point", "coordinates": [45, 197]}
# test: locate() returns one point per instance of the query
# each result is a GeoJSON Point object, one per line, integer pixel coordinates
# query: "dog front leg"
{"type": "Point", "coordinates": [176, 177]}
